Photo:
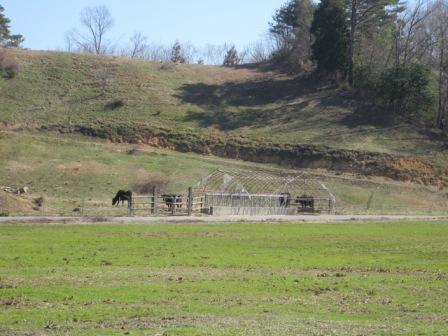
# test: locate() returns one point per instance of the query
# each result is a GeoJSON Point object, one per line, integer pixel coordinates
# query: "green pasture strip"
{"type": "Point", "coordinates": [387, 278]}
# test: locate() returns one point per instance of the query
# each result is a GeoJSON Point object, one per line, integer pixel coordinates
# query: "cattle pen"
{"type": "Point", "coordinates": [240, 192]}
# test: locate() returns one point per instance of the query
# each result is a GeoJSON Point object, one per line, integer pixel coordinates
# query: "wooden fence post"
{"type": "Point", "coordinates": [154, 209]}
{"type": "Point", "coordinates": [82, 206]}
{"type": "Point", "coordinates": [190, 201]}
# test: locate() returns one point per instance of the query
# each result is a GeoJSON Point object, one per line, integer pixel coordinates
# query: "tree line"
{"type": "Point", "coordinates": [391, 51]}
{"type": "Point", "coordinates": [96, 23]}
{"type": "Point", "coordinates": [394, 52]}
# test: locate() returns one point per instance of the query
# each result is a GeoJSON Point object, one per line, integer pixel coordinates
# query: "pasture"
{"type": "Point", "coordinates": [388, 278]}
{"type": "Point", "coordinates": [73, 171]}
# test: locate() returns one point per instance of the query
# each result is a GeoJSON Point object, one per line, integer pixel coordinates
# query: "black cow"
{"type": "Point", "coordinates": [172, 201]}
{"type": "Point", "coordinates": [121, 196]}
{"type": "Point", "coordinates": [285, 200]}
{"type": "Point", "coordinates": [306, 203]}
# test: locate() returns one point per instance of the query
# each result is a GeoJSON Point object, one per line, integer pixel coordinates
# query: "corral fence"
{"type": "Point", "coordinates": [255, 193]}
{"type": "Point", "coordinates": [164, 204]}
{"type": "Point", "coordinates": [245, 204]}
{"type": "Point", "coordinates": [223, 203]}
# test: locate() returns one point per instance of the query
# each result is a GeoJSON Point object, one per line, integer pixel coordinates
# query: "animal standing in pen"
{"type": "Point", "coordinates": [172, 201]}
{"type": "Point", "coordinates": [306, 203]}
{"type": "Point", "coordinates": [285, 200]}
{"type": "Point", "coordinates": [122, 196]}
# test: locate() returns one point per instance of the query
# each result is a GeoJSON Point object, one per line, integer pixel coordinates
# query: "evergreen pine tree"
{"type": "Point", "coordinates": [6, 38]}
{"type": "Point", "coordinates": [291, 29]}
{"type": "Point", "coordinates": [231, 57]}
{"type": "Point", "coordinates": [176, 53]}
{"type": "Point", "coordinates": [329, 27]}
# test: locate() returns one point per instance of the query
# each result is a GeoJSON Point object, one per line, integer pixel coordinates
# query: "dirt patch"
{"type": "Point", "coordinates": [20, 166]}
{"type": "Point", "coordinates": [10, 204]}
{"type": "Point", "coordinates": [421, 170]}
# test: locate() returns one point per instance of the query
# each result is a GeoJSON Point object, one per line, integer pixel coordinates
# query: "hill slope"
{"type": "Point", "coordinates": [249, 113]}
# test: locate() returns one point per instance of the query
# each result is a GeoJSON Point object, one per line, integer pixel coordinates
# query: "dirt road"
{"type": "Point", "coordinates": [211, 219]}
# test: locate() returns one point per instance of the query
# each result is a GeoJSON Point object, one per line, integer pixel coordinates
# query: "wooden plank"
{"type": "Point", "coordinates": [155, 205]}
{"type": "Point", "coordinates": [190, 201]}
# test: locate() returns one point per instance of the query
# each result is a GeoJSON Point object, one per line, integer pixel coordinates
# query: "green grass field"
{"type": "Point", "coordinates": [225, 279]}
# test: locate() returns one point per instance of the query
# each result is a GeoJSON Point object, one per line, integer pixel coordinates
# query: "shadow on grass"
{"type": "Point", "coordinates": [259, 103]}
{"type": "Point", "coordinates": [248, 94]}
{"type": "Point", "coordinates": [300, 103]}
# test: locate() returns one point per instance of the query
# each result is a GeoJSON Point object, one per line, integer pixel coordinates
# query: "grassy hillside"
{"type": "Point", "coordinates": [251, 113]}
{"type": "Point", "coordinates": [71, 90]}
{"type": "Point", "coordinates": [236, 279]}
{"type": "Point", "coordinates": [70, 171]}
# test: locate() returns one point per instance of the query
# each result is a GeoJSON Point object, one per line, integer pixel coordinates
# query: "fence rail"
{"type": "Point", "coordinates": [157, 204]}
{"type": "Point", "coordinates": [202, 203]}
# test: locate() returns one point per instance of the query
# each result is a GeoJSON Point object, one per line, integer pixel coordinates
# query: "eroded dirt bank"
{"type": "Point", "coordinates": [401, 168]}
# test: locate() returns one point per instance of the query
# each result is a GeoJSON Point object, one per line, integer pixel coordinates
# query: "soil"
{"type": "Point", "coordinates": [10, 203]}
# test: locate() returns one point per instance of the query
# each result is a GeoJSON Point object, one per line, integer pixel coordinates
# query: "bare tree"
{"type": "Point", "coordinates": [260, 51]}
{"type": "Point", "coordinates": [190, 52]}
{"type": "Point", "coordinates": [410, 44]}
{"type": "Point", "coordinates": [138, 46]}
{"type": "Point", "coordinates": [157, 53]}
{"type": "Point", "coordinates": [69, 41]}
{"type": "Point", "coordinates": [97, 21]}
{"type": "Point", "coordinates": [213, 54]}
{"type": "Point", "coordinates": [437, 54]}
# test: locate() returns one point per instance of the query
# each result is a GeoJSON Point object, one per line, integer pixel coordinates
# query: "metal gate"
{"type": "Point", "coordinates": [161, 204]}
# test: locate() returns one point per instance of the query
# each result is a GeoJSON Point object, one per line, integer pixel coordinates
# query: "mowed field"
{"type": "Point", "coordinates": [225, 279]}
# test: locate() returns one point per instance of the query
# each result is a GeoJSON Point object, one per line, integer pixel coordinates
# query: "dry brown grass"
{"type": "Point", "coordinates": [12, 204]}
{"type": "Point", "coordinates": [145, 182]}
{"type": "Point", "coordinates": [85, 167]}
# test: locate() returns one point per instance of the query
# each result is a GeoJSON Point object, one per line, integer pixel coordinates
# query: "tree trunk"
{"type": "Point", "coordinates": [353, 26]}
{"type": "Point", "coordinates": [440, 112]}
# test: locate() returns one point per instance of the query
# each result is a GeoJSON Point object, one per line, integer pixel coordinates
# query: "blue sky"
{"type": "Point", "coordinates": [45, 22]}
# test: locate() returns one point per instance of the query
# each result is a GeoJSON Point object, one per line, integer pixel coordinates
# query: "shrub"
{"type": "Point", "coordinates": [365, 79]}
{"type": "Point", "coordinates": [9, 68]}
{"type": "Point", "coordinates": [291, 61]}
{"type": "Point", "coordinates": [4, 213]}
{"type": "Point", "coordinates": [146, 185]}
{"type": "Point", "coordinates": [133, 151]}
{"type": "Point", "coordinates": [166, 66]}
{"type": "Point", "coordinates": [39, 202]}
{"type": "Point", "coordinates": [115, 104]}
{"type": "Point", "coordinates": [407, 88]}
